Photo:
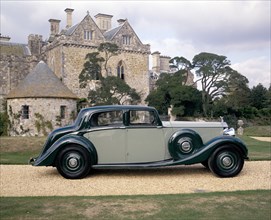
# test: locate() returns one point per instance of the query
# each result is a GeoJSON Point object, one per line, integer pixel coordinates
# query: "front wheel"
{"type": "Point", "coordinates": [73, 162]}
{"type": "Point", "coordinates": [226, 161]}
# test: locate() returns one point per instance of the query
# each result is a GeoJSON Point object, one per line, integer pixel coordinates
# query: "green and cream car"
{"type": "Point", "coordinates": [110, 137]}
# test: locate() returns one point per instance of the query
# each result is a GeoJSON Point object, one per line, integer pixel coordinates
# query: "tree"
{"type": "Point", "coordinates": [160, 98]}
{"type": "Point", "coordinates": [185, 100]}
{"type": "Point", "coordinates": [181, 63]}
{"type": "Point", "coordinates": [237, 91]}
{"type": "Point", "coordinates": [110, 50]}
{"type": "Point", "coordinates": [269, 97]}
{"type": "Point", "coordinates": [112, 91]}
{"type": "Point", "coordinates": [259, 96]}
{"type": "Point", "coordinates": [91, 70]}
{"type": "Point", "coordinates": [213, 71]}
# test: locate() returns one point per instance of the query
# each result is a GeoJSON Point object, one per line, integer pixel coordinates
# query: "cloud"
{"type": "Point", "coordinates": [173, 47]}
{"type": "Point", "coordinates": [257, 70]}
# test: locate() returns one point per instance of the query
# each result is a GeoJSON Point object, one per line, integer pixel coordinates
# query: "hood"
{"type": "Point", "coordinates": [193, 124]}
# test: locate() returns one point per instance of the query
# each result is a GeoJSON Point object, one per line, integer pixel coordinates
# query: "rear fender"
{"type": "Point", "coordinates": [47, 158]}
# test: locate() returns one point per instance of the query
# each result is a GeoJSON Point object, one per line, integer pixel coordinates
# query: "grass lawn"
{"type": "Point", "coordinates": [18, 150]}
{"type": "Point", "coordinates": [257, 150]}
{"type": "Point", "coordinates": [259, 131]}
{"type": "Point", "coordinates": [220, 205]}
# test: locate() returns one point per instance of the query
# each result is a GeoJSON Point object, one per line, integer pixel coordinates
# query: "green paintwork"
{"type": "Point", "coordinates": [130, 146]}
{"type": "Point", "coordinates": [47, 158]}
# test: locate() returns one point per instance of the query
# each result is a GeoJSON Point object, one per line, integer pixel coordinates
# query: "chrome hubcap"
{"type": "Point", "coordinates": [73, 162]}
{"type": "Point", "coordinates": [185, 145]}
{"type": "Point", "coordinates": [226, 161]}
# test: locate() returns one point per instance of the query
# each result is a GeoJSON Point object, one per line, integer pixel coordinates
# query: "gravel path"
{"type": "Point", "coordinates": [267, 139]}
{"type": "Point", "coordinates": [25, 180]}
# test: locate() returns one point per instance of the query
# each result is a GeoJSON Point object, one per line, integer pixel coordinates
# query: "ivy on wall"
{"type": "Point", "coordinates": [41, 125]}
{"type": "Point", "coordinates": [15, 126]}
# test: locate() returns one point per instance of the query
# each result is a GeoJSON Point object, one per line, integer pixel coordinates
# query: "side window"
{"type": "Point", "coordinates": [111, 118]}
{"type": "Point", "coordinates": [88, 35]}
{"type": "Point", "coordinates": [62, 111]}
{"type": "Point", "coordinates": [25, 112]}
{"type": "Point", "coordinates": [143, 118]}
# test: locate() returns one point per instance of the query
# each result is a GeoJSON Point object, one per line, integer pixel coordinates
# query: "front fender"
{"type": "Point", "coordinates": [205, 152]}
{"type": "Point", "coordinates": [47, 158]}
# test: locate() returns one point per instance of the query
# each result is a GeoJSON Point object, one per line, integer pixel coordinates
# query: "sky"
{"type": "Point", "coordinates": [239, 30]}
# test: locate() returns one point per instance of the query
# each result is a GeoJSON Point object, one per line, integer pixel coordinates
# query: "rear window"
{"type": "Point", "coordinates": [111, 118]}
{"type": "Point", "coordinates": [143, 118]}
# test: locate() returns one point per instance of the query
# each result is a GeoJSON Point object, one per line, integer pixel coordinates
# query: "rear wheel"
{"type": "Point", "coordinates": [226, 161]}
{"type": "Point", "coordinates": [73, 162]}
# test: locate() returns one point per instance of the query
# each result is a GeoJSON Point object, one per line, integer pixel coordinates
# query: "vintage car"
{"type": "Point", "coordinates": [129, 137]}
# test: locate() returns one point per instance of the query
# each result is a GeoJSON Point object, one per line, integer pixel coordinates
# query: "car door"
{"type": "Point", "coordinates": [108, 135]}
{"type": "Point", "coordinates": [145, 138]}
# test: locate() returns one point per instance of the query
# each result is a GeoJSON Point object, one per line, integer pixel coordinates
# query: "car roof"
{"type": "Point", "coordinates": [117, 107]}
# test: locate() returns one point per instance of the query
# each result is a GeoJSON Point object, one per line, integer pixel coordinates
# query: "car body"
{"type": "Point", "coordinates": [118, 136]}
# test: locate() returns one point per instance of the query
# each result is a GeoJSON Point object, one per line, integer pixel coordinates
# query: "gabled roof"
{"type": "Point", "coordinates": [70, 30]}
{"type": "Point", "coordinates": [109, 35]}
{"type": "Point", "coordinates": [41, 83]}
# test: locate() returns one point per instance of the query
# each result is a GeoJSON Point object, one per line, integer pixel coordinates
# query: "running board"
{"type": "Point", "coordinates": [134, 165]}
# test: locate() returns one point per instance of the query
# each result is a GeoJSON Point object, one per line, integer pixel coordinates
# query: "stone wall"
{"type": "Point", "coordinates": [43, 113]}
{"type": "Point", "coordinates": [67, 61]}
{"type": "Point", "coordinates": [136, 73]}
{"type": "Point", "coordinates": [12, 70]}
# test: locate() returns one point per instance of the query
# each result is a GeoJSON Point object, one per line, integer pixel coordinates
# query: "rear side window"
{"type": "Point", "coordinates": [111, 118]}
{"type": "Point", "coordinates": [143, 118]}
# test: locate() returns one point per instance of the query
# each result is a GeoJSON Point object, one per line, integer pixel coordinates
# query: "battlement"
{"type": "Point", "coordinates": [35, 43]}
{"type": "Point", "coordinates": [35, 37]}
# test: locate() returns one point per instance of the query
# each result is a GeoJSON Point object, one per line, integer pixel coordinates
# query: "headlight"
{"type": "Point", "coordinates": [229, 131]}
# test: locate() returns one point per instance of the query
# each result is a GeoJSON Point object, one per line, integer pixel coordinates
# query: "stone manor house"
{"type": "Point", "coordinates": [39, 80]}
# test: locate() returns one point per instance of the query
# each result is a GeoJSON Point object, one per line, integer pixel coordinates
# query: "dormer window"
{"type": "Point", "coordinates": [126, 39]}
{"type": "Point", "coordinates": [88, 35]}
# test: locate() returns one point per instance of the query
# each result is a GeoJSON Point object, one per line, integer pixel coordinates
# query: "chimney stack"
{"type": "Point", "coordinates": [54, 23]}
{"type": "Point", "coordinates": [69, 17]}
{"type": "Point", "coordinates": [103, 21]}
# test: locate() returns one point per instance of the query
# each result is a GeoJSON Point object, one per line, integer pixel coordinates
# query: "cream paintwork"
{"type": "Point", "coordinates": [137, 144]}
{"type": "Point", "coordinates": [207, 130]}
{"type": "Point", "coordinates": [110, 145]}
{"type": "Point", "coordinates": [145, 145]}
